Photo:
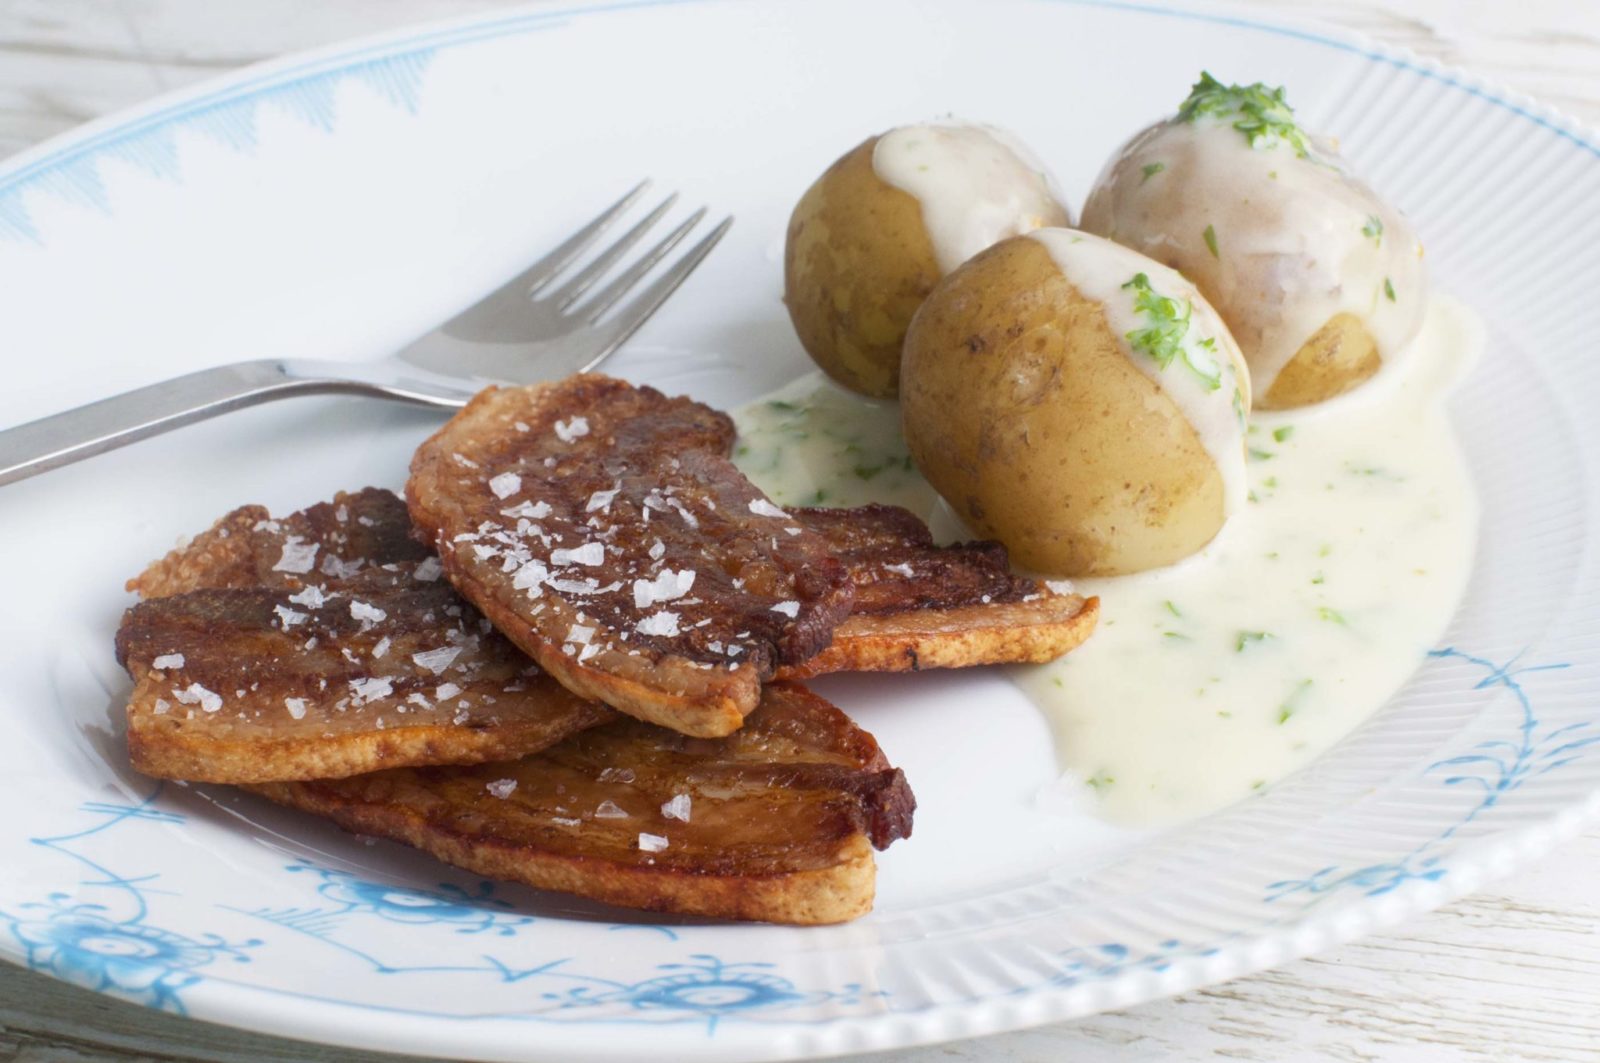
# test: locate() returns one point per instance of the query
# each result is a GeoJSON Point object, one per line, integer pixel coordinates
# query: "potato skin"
{"type": "Point", "coordinates": [856, 265]}
{"type": "Point", "coordinates": [1021, 407]}
{"type": "Point", "coordinates": [1341, 355]}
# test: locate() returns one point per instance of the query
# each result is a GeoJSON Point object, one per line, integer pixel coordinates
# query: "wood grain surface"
{"type": "Point", "coordinates": [1511, 974]}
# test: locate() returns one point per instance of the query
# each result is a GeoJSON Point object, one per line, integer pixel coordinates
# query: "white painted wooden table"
{"type": "Point", "coordinates": [1511, 974]}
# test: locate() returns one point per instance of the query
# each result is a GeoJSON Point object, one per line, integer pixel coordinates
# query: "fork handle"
{"type": "Point", "coordinates": [52, 442]}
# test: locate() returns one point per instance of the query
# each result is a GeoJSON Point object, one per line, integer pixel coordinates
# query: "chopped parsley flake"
{"type": "Point", "coordinates": [1261, 114]}
{"type": "Point", "coordinates": [1388, 289]}
{"type": "Point", "coordinates": [1282, 434]}
{"type": "Point", "coordinates": [1173, 609]}
{"type": "Point", "coordinates": [1211, 241]}
{"type": "Point", "coordinates": [1245, 638]}
{"type": "Point", "coordinates": [1150, 169]}
{"type": "Point", "coordinates": [1291, 704]}
{"type": "Point", "coordinates": [1373, 230]}
{"type": "Point", "coordinates": [1168, 327]}
{"type": "Point", "coordinates": [1333, 616]}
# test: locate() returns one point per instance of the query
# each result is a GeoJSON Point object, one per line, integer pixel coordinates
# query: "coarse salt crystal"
{"type": "Point", "coordinates": [428, 569]}
{"type": "Point", "coordinates": [521, 426]}
{"type": "Point", "coordinates": [168, 660]}
{"type": "Point", "coordinates": [341, 569]}
{"type": "Point", "coordinates": [677, 808]}
{"type": "Point", "coordinates": [445, 692]}
{"type": "Point", "coordinates": [657, 548]}
{"type": "Point", "coordinates": [530, 510]}
{"type": "Point", "coordinates": [437, 660]}
{"type": "Point", "coordinates": [195, 694]}
{"type": "Point", "coordinates": [601, 499]}
{"type": "Point", "coordinates": [789, 609]}
{"type": "Point", "coordinates": [311, 597]}
{"type": "Point", "coordinates": [664, 588]}
{"type": "Point", "coordinates": [288, 617]}
{"type": "Point", "coordinates": [371, 688]}
{"type": "Point", "coordinates": [580, 634]}
{"type": "Point", "coordinates": [762, 508]}
{"type": "Point", "coordinates": [567, 431]}
{"type": "Point", "coordinates": [364, 611]}
{"type": "Point", "coordinates": [1059, 586]}
{"type": "Point", "coordinates": [162, 705]}
{"type": "Point", "coordinates": [609, 810]}
{"type": "Point", "coordinates": [900, 570]}
{"type": "Point", "coordinates": [529, 577]}
{"type": "Point", "coordinates": [296, 707]}
{"type": "Point", "coordinates": [587, 554]}
{"type": "Point", "coordinates": [502, 788]}
{"type": "Point", "coordinates": [382, 647]}
{"type": "Point", "coordinates": [651, 843]}
{"type": "Point", "coordinates": [505, 485]}
{"type": "Point", "coordinates": [662, 623]}
{"type": "Point", "coordinates": [298, 556]}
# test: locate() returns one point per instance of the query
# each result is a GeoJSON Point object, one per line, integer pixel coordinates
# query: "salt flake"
{"type": "Point", "coordinates": [298, 556]}
{"type": "Point", "coordinates": [677, 808]}
{"type": "Point", "coordinates": [505, 485]}
{"type": "Point", "coordinates": [568, 431]}
{"type": "Point", "coordinates": [663, 623]}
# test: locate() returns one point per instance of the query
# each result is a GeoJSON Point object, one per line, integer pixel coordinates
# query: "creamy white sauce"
{"type": "Point", "coordinates": [1213, 678]}
{"type": "Point", "coordinates": [976, 184]}
{"type": "Point", "coordinates": [1293, 241]}
{"type": "Point", "coordinates": [1101, 270]}
{"type": "Point", "coordinates": [814, 443]}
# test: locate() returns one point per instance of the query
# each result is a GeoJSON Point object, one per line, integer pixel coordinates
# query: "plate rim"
{"type": "Point", "coordinates": [1477, 862]}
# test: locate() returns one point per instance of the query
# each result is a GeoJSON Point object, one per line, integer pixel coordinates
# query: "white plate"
{"type": "Point", "coordinates": [338, 203]}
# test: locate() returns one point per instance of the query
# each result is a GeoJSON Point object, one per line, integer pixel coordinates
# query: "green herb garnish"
{"type": "Point", "coordinates": [1172, 609]}
{"type": "Point", "coordinates": [1388, 288]}
{"type": "Point", "coordinates": [1261, 114]}
{"type": "Point", "coordinates": [783, 407]}
{"type": "Point", "coordinates": [1282, 434]}
{"type": "Point", "coordinates": [1333, 616]}
{"type": "Point", "coordinates": [1261, 455]}
{"type": "Point", "coordinates": [1373, 230]}
{"type": "Point", "coordinates": [1150, 169]}
{"type": "Point", "coordinates": [1101, 782]}
{"type": "Point", "coordinates": [1245, 638]}
{"type": "Point", "coordinates": [1211, 241]}
{"type": "Point", "coordinates": [1291, 704]}
{"type": "Point", "coordinates": [1163, 339]}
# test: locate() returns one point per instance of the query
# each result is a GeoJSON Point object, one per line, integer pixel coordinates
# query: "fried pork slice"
{"type": "Point", "coordinates": [776, 822]}
{"type": "Point", "coordinates": [918, 605]}
{"type": "Point", "coordinates": [247, 670]}
{"type": "Point", "coordinates": [601, 527]}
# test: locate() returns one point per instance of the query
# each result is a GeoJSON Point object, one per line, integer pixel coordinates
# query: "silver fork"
{"type": "Point", "coordinates": [527, 331]}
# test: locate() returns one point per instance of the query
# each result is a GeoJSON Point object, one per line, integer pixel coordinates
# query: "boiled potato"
{"type": "Point", "coordinates": [1078, 402]}
{"type": "Point", "coordinates": [877, 230]}
{"type": "Point", "coordinates": [1319, 280]}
